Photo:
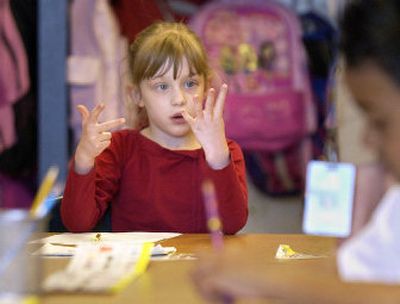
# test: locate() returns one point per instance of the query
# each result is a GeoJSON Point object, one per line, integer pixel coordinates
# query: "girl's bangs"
{"type": "Point", "coordinates": [171, 55]}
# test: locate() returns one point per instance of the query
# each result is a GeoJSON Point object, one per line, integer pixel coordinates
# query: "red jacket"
{"type": "Point", "coordinates": [151, 188]}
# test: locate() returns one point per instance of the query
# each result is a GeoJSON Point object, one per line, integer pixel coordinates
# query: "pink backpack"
{"type": "Point", "coordinates": [255, 47]}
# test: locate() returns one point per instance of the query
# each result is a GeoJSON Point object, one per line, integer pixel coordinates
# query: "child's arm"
{"type": "Point", "coordinates": [87, 196]}
{"type": "Point", "coordinates": [209, 129]}
{"type": "Point", "coordinates": [80, 208]}
{"type": "Point", "coordinates": [231, 188]}
{"type": "Point", "coordinates": [95, 137]}
{"type": "Point", "coordinates": [80, 211]}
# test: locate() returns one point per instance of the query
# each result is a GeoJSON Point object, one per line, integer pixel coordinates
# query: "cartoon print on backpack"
{"type": "Point", "coordinates": [267, 56]}
{"type": "Point", "coordinates": [247, 58]}
{"type": "Point", "coordinates": [248, 67]}
{"type": "Point", "coordinates": [228, 60]}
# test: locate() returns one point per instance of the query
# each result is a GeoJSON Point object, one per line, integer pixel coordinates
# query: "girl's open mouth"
{"type": "Point", "coordinates": [178, 118]}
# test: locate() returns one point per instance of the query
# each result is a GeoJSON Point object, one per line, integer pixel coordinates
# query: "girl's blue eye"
{"type": "Point", "coordinates": [190, 83]}
{"type": "Point", "coordinates": [162, 86]}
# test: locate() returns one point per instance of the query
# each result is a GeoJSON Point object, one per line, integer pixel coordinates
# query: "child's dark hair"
{"type": "Point", "coordinates": [370, 31]}
{"type": "Point", "coordinates": [164, 45]}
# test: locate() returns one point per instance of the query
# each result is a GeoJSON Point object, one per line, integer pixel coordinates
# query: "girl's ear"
{"type": "Point", "coordinates": [135, 95]}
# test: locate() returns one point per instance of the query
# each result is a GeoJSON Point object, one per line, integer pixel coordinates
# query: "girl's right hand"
{"type": "Point", "coordinates": [95, 137]}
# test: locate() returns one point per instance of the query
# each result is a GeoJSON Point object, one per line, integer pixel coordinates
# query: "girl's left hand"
{"type": "Point", "coordinates": [208, 126]}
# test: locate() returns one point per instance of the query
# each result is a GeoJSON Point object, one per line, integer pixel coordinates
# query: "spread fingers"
{"type": "Point", "coordinates": [110, 124]}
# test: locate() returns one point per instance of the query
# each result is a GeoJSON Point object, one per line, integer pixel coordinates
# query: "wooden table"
{"type": "Point", "coordinates": [168, 282]}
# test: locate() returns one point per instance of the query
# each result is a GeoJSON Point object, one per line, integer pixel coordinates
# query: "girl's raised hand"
{"type": "Point", "coordinates": [95, 137]}
{"type": "Point", "coordinates": [208, 126]}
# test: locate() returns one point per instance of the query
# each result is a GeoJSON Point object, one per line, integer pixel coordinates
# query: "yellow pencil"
{"type": "Point", "coordinates": [44, 189]}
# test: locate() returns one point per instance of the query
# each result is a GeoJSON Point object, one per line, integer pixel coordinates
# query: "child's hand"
{"type": "Point", "coordinates": [209, 129]}
{"type": "Point", "coordinates": [95, 137]}
{"type": "Point", "coordinates": [227, 274]}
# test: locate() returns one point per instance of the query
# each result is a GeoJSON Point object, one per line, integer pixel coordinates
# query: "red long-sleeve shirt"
{"type": "Point", "coordinates": [151, 188]}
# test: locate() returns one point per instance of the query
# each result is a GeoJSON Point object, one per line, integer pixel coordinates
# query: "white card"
{"type": "Point", "coordinates": [97, 267]}
{"type": "Point", "coordinates": [329, 198]}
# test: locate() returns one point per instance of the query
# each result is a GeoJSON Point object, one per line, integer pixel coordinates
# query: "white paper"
{"type": "Point", "coordinates": [89, 237]}
{"type": "Point", "coordinates": [53, 250]}
{"type": "Point", "coordinates": [95, 267]}
{"type": "Point", "coordinates": [159, 250]}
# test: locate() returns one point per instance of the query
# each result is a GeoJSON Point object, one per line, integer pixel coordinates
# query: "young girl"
{"type": "Point", "coordinates": [371, 47]}
{"type": "Point", "coordinates": [151, 178]}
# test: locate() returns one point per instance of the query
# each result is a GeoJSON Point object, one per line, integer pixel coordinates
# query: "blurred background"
{"type": "Point", "coordinates": [57, 54]}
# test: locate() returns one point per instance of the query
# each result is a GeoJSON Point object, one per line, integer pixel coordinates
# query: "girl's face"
{"type": "Point", "coordinates": [164, 99]}
{"type": "Point", "coordinates": [379, 96]}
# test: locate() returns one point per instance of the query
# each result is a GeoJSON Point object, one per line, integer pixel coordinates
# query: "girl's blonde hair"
{"type": "Point", "coordinates": [155, 50]}
{"type": "Point", "coordinates": [165, 45]}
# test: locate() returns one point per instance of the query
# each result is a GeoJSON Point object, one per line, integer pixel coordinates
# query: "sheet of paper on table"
{"type": "Point", "coordinates": [100, 268]}
{"type": "Point", "coordinates": [88, 237]}
{"type": "Point", "coordinates": [55, 250]}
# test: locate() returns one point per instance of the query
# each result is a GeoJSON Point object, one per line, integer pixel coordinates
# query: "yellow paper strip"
{"type": "Point", "coordinates": [140, 268]}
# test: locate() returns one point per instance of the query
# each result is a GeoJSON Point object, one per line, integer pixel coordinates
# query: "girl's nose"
{"type": "Point", "coordinates": [179, 98]}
